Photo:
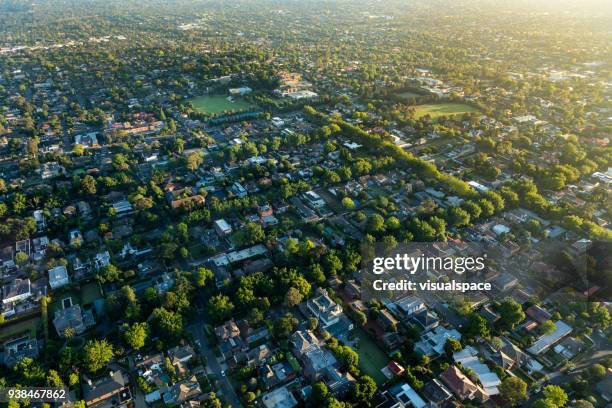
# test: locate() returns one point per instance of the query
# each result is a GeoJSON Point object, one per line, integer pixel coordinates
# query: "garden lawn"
{"type": "Point", "coordinates": [371, 357]}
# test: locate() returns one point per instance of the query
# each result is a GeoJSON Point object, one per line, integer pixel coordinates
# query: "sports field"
{"type": "Point", "coordinates": [408, 95]}
{"type": "Point", "coordinates": [217, 104]}
{"type": "Point", "coordinates": [435, 110]}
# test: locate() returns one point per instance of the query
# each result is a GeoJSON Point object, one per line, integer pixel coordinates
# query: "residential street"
{"type": "Point", "coordinates": [213, 366]}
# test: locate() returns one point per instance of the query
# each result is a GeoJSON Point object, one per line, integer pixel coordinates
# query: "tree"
{"type": "Point", "coordinates": [97, 354]}
{"type": "Point", "coordinates": [136, 335]}
{"type": "Point", "coordinates": [194, 161]}
{"type": "Point", "coordinates": [284, 326]}
{"type": "Point", "coordinates": [220, 307]}
{"type": "Point", "coordinates": [544, 403]}
{"type": "Point", "coordinates": [451, 346]}
{"type": "Point", "coordinates": [375, 223]}
{"type": "Point", "coordinates": [251, 234]}
{"type": "Point", "coordinates": [319, 393]}
{"type": "Point", "coordinates": [21, 258]}
{"type": "Point", "coordinates": [54, 379]}
{"type": "Point", "coordinates": [477, 326]}
{"type": "Point", "coordinates": [89, 185]}
{"type": "Point", "coordinates": [458, 216]}
{"type": "Point", "coordinates": [511, 313]}
{"type": "Point", "coordinates": [293, 297]}
{"type": "Point", "coordinates": [348, 203]}
{"type": "Point", "coordinates": [363, 391]}
{"type": "Point", "coordinates": [597, 372]}
{"type": "Point", "coordinates": [347, 357]}
{"type": "Point", "coordinates": [202, 276]}
{"type": "Point", "coordinates": [167, 323]}
{"type": "Point", "coordinates": [513, 390]}
{"type": "Point", "coordinates": [555, 394]}
{"type": "Point", "coordinates": [109, 273]}
{"type": "Point", "coordinates": [548, 327]}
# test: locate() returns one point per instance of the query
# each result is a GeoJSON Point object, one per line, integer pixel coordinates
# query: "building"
{"type": "Point", "coordinates": [58, 277]}
{"type": "Point", "coordinates": [243, 90]}
{"type": "Point", "coordinates": [313, 199]}
{"type": "Point", "coordinates": [433, 342]}
{"type": "Point", "coordinates": [109, 391]}
{"type": "Point", "coordinates": [409, 306]}
{"type": "Point", "coordinates": [17, 291]}
{"type": "Point", "coordinates": [279, 398]}
{"type": "Point", "coordinates": [401, 396]}
{"type": "Point", "coordinates": [18, 349]}
{"type": "Point", "coordinates": [122, 208]}
{"type": "Point", "coordinates": [436, 393]}
{"type": "Point", "coordinates": [102, 259]}
{"type": "Point", "coordinates": [72, 318]}
{"type": "Point", "coordinates": [323, 308]}
{"type": "Point", "coordinates": [461, 385]}
{"type": "Point", "coordinates": [468, 358]}
{"type": "Point", "coordinates": [548, 340]}
{"type": "Point", "coordinates": [183, 391]}
{"type": "Point", "coordinates": [222, 227]}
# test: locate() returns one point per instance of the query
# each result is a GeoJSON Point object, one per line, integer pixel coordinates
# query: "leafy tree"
{"type": "Point", "coordinates": [375, 223]}
{"type": "Point", "coordinates": [477, 326]}
{"type": "Point", "coordinates": [511, 313]}
{"type": "Point", "coordinates": [136, 335]}
{"type": "Point", "coordinates": [167, 323]}
{"type": "Point", "coordinates": [348, 203]}
{"type": "Point", "coordinates": [284, 326]}
{"type": "Point", "coordinates": [194, 161]}
{"type": "Point", "coordinates": [293, 297]}
{"type": "Point", "coordinates": [364, 390]}
{"type": "Point", "coordinates": [89, 185]}
{"type": "Point", "coordinates": [597, 372]}
{"type": "Point", "coordinates": [220, 307]}
{"type": "Point", "coordinates": [548, 327]}
{"type": "Point", "coordinates": [109, 273]}
{"type": "Point", "coordinates": [556, 395]}
{"type": "Point", "coordinates": [251, 234]}
{"type": "Point", "coordinates": [202, 276]}
{"type": "Point", "coordinates": [451, 346]}
{"type": "Point", "coordinates": [97, 354]}
{"type": "Point", "coordinates": [459, 217]}
{"type": "Point", "coordinates": [513, 390]}
{"type": "Point", "coordinates": [319, 393]}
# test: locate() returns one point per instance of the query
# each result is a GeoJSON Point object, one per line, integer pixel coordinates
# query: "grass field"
{"type": "Point", "coordinates": [408, 95]}
{"type": "Point", "coordinates": [371, 357]}
{"type": "Point", "coordinates": [217, 104]}
{"type": "Point", "coordinates": [436, 110]}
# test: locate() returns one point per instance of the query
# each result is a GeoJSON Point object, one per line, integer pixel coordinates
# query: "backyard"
{"type": "Point", "coordinates": [371, 357]}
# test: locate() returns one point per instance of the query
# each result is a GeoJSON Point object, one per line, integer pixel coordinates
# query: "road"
{"type": "Point", "coordinates": [223, 383]}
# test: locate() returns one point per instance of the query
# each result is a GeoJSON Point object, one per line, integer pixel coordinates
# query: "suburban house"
{"type": "Point", "coordinates": [462, 386]}
{"type": "Point", "coordinates": [109, 391]}
{"type": "Point", "coordinates": [401, 396]}
{"type": "Point", "coordinates": [279, 398]}
{"type": "Point", "coordinates": [58, 277]}
{"type": "Point", "coordinates": [17, 291]}
{"type": "Point", "coordinates": [329, 314]}
{"type": "Point", "coordinates": [72, 318]}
